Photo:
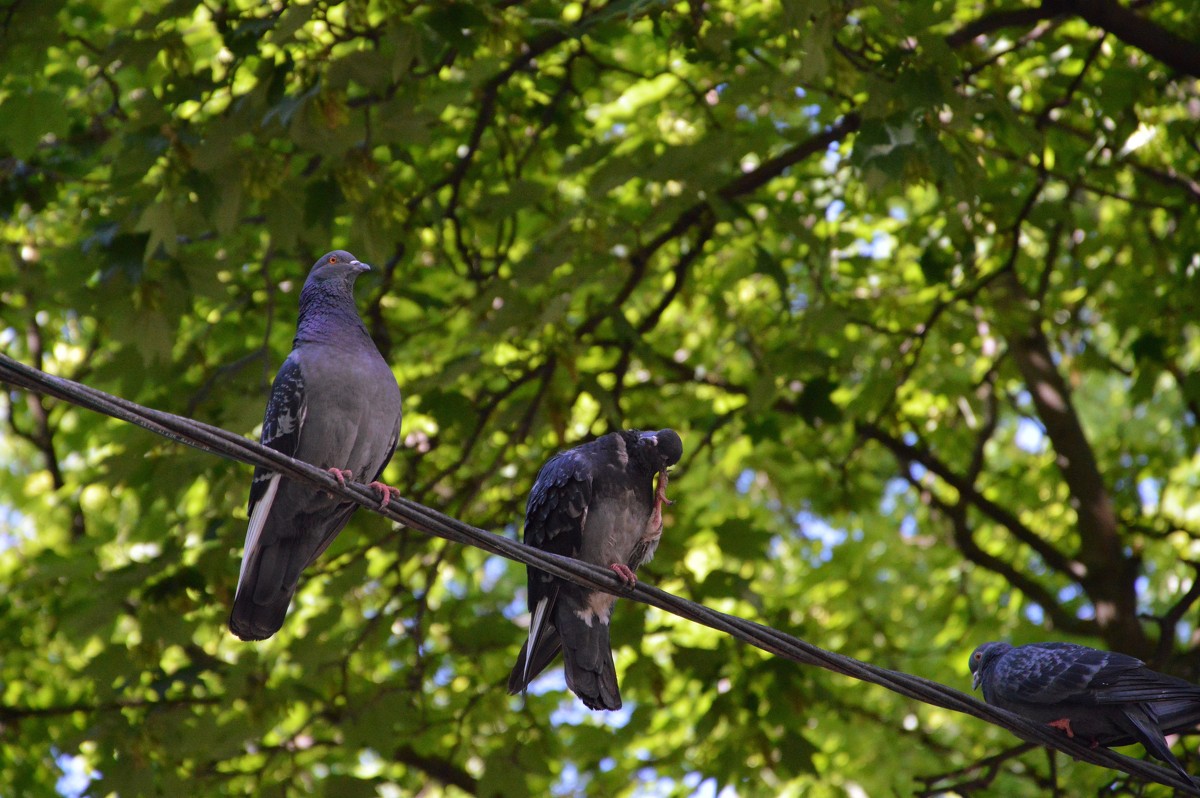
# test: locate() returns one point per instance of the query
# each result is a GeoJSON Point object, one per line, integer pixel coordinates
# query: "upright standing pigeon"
{"type": "Point", "coordinates": [1100, 696]}
{"type": "Point", "coordinates": [596, 503]}
{"type": "Point", "coordinates": [335, 404]}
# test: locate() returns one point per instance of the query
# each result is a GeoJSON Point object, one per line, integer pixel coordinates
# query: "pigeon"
{"type": "Point", "coordinates": [596, 503]}
{"type": "Point", "coordinates": [1102, 697]}
{"type": "Point", "coordinates": [334, 404]}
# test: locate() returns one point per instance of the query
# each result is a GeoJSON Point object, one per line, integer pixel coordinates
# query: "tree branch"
{"type": "Point", "coordinates": [1108, 15]}
{"type": "Point", "coordinates": [908, 453]}
{"type": "Point", "coordinates": [702, 213]}
{"type": "Point", "coordinates": [440, 769]}
{"type": "Point", "coordinates": [1108, 574]}
{"type": "Point", "coordinates": [936, 786]}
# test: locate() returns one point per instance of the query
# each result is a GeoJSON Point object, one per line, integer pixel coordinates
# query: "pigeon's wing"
{"type": "Point", "coordinates": [281, 430]}
{"type": "Point", "coordinates": [1052, 673]}
{"type": "Point", "coordinates": [286, 409]}
{"type": "Point", "coordinates": [556, 512]}
{"type": "Point", "coordinates": [555, 516]}
{"type": "Point", "coordinates": [1128, 680]}
{"type": "Point", "coordinates": [1148, 733]}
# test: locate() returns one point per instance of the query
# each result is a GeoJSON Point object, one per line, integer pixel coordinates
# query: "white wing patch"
{"type": "Point", "coordinates": [258, 520]}
{"type": "Point", "coordinates": [286, 424]}
{"type": "Point", "coordinates": [535, 626]}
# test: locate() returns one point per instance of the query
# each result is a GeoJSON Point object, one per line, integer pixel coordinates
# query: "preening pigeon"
{"type": "Point", "coordinates": [335, 404]}
{"type": "Point", "coordinates": [596, 503]}
{"type": "Point", "coordinates": [1102, 697]}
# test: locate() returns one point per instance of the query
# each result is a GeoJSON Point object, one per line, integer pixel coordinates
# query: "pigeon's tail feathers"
{"type": "Point", "coordinates": [279, 546]}
{"type": "Point", "coordinates": [1147, 731]}
{"type": "Point", "coordinates": [543, 643]}
{"type": "Point", "coordinates": [1176, 716]}
{"type": "Point", "coordinates": [260, 606]}
{"type": "Point", "coordinates": [537, 626]}
{"type": "Point", "coordinates": [258, 519]}
{"type": "Point", "coordinates": [587, 657]}
{"type": "Point", "coordinates": [516, 677]}
{"type": "Point", "coordinates": [529, 667]}
{"type": "Point", "coordinates": [250, 620]}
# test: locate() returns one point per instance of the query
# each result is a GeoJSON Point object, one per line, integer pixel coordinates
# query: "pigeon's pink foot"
{"type": "Point", "coordinates": [1065, 725]}
{"type": "Point", "coordinates": [625, 572]}
{"type": "Point", "coordinates": [660, 498]}
{"type": "Point", "coordinates": [385, 492]}
{"type": "Point", "coordinates": [341, 475]}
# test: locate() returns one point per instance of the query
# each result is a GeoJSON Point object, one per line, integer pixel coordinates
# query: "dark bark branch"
{"type": "Point", "coordinates": [682, 265]}
{"type": "Point", "coordinates": [1107, 15]}
{"type": "Point", "coordinates": [42, 434]}
{"type": "Point", "coordinates": [964, 538]}
{"type": "Point", "coordinates": [1108, 574]}
{"type": "Point", "coordinates": [772, 168]}
{"type": "Point", "coordinates": [907, 453]}
{"type": "Point", "coordinates": [994, 21]}
{"type": "Point", "coordinates": [1137, 31]}
{"type": "Point", "coordinates": [440, 769]}
{"type": "Point", "coordinates": [970, 778]}
{"type": "Point", "coordinates": [1169, 622]}
{"type": "Point", "coordinates": [14, 713]}
{"type": "Point", "coordinates": [701, 214]}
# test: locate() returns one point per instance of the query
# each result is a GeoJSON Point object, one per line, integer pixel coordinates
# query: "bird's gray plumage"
{"type": "Point", "coordinates": [1103, 697]}
{"type": "Point", "coordinates": [335, 404]}
{"type": "Point", "coordinates": [596, 503]}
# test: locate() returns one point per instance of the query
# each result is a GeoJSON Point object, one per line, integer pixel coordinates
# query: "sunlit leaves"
{"type": "Point", "coordinates": [569, 231]}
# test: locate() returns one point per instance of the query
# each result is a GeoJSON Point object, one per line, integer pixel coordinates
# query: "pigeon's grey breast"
{"type": "Point", "coordinates": [361, 402]}
{"type": "Point", "coordinates": [615, 524]}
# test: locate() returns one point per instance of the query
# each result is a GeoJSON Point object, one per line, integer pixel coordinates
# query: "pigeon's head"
{"type": "Point", "coordinates": [982, 658]}
{"type": "Point", "coordinates": [336, 268]}
{"type": "Point", "coordinates": [664, 446]}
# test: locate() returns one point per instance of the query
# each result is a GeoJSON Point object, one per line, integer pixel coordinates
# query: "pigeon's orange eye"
{"type": "Point", "coordinates": [333, 258]}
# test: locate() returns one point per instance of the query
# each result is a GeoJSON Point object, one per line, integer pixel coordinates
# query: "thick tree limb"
{"type": "Point", "coordinates": [1106, 572]}
{"type": "Point", "coordinates": [701, 214]}
{"type": "Point", "coordinates": [908, 453]}
{"type": "Point", "coordinates": [1108, 15]}
{"type": "Point", "coordinates": [964, 538]}
{"type": "Point", "coordinates": [437, 768]}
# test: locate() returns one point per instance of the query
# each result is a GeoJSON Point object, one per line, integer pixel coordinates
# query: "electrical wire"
{"type": "Point", "coordinates": [424, 519]}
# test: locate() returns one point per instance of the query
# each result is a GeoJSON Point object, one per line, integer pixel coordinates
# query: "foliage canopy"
{"type": "Point", "coordinates": [915, 280]}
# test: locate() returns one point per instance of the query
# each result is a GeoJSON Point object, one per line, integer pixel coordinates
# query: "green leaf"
{"type": "Point", "coordinates": [31, 117]}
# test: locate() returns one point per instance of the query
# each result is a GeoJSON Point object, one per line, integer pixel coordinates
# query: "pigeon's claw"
{"type": "Point", "coordinates": [625, 572]}
{"type": "Point", "coordinates": [386, 493]}
{"type": "Point", "coordinates": [660, 498]}
{"type": "Point", "coordinates": [1064, 724]}
{"type": "Point", "coordinates": [341, 475]}
{"type": "Point", "coordinates": [660, 493]}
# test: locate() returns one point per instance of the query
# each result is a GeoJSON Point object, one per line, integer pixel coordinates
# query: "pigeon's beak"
{"type": "Point", "coordinates": [976, 678]}
{"type": "Point", "coordinates": [359, 266]}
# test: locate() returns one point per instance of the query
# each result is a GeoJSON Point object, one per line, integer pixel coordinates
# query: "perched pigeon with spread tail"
{"type": "Point", "coordinates": [1102, 697]}
{"type": "Point", "coordinates": [335, 404]}
{"type": "Point", "coordinates": [596, 503]}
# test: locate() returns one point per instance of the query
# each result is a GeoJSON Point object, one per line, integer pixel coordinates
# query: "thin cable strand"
{"type": "Point", "coordinates": [417, 516]}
